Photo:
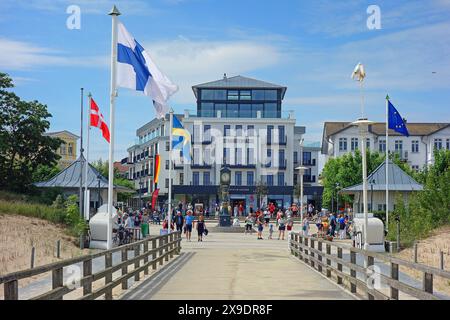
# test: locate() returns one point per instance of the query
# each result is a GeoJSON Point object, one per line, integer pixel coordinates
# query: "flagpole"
{"type": "Point", "coordinates": [87, 206]}
{"type": "Point", "coordinates": [81, 154]}
{"type": "Point", "coordinates": [387, 163]}
{"type": "Point", "coordinates": [169, 213]}
{"type": "Point", "coordinates": [113, 93]}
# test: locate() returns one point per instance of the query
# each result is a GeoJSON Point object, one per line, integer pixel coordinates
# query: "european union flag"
{"type": "Point", "coordinates": [396, 122]}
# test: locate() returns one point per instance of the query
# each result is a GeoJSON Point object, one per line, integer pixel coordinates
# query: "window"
{"type": "Point", "coordinates": [245, 111]}
{"type": "Point", "coordinates": [398, 146]}
{"type": "Point", "coordinates": [196, 135]}
{"type": "Point", "coordinates": [342, 144]}
{"type": "Point", "coordinates": [207, 94]}
{"type": "Point", "coordinates": [415, 146]}
{"type": "Point", "coordinates": [270, 180]}
{"type": "Point", "coordinates": [354, 144]}
{"type": "Point", "coordinates": [207, 133]}
{"type": "Point", "coordinates": [226, 130]}
{"type": "Point", "coordinates": [233, 95]}
{"type": "Point", "coordinates": [63, 149]}
{"type": "Point", "coordinates": [220, 94]}
{"type": "Point", "coordinates": [226, 156]}
{"type": "Point", "coordinates": [295, 179]}
{"type": "Point", "coordinates": [207, 109]}
{"type": "Point", "coordinates": [269, 158]}
{"type": "Point", "coordinates": [257, 94]}
{"type": "Point", "coordinates": [232, 110]}
{"type": "Point", "coordinates": [181, 178]}
{"type": "Point", "coordinates": [281, 158]}
{"type": "Point", "coordinates": [256, 108]}
{"type": "Point", "coordinates": [307, 158]}
{"type": "Point", "coordinates": [250, 178]}
{"type": "Point", "coordinates": [245, 95]}
{"type": "Point", "coordinates": [167, 164]}
{"type": "Point", "coordinates": [281, 178]}
{"type": "Point", "coordinates": [250, 131]}
{"type": "Point", "coordinates": [281, 135]}
{"type": "Point", "coordinates": [167, 183]}
{"type": "Point", "coordinates": [162, 130]}
{"type": "Point", "coordinates": [222, 108]}
{"type": "Point", "coordinates": [382, 146]}
{"type": "Point", "coordinates": [167, 146]}
{"type": "Point", "coordinates": [270, 95]}
{"type": "Point", "coordinates": [206, 179]}
{"type": "Point", "coordinates": [438, 144]}
{"type": "Point", "coordinates": [195, 178]}
{"type": "Point", "coordinates": [196, 156]}
{"type": "Point", "coordinates": [270, 110]}
{"type": "Point", "coordinates": [269, 134]}
{"type": "Point", "coordinates": [238, 130]}
{"type": "Point", "coordinates": [238, 178]}
{"type": "Point", "coordinates": [368, 143]}
{"type": "Point", "coordinates": [295, 157]}
{"type": "Point", "coordinates": [250, 156]}
{"type": "Point", "coordinates": [239, 156]}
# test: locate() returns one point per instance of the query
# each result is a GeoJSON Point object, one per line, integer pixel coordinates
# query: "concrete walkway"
{"type": "Point", "coordinates": [236, 266]}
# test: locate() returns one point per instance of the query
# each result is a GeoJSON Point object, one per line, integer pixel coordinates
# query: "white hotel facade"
{"type": "Point", "coordinates": [417, 150]}
{"type": "Point", "coordinates": [238, 123]}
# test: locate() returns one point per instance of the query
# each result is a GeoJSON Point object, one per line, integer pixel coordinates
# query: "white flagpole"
{"type": "Point", "coordinates": [169, 213]}
{"type": "Point", "coordinates": [86, 193]}
{"type": "Point", "coordinates": [387, 163]}
{"type": "Point", "coordinates": [113, 93]}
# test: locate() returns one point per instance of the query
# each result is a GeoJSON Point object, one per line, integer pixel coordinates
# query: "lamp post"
{"type": "Point", "coordinates": [363, 125]}
{"type": "Point", "coordinates": [301, 171]}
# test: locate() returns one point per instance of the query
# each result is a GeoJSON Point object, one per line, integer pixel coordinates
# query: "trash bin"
{"type": "Point", "coordinates": [144, 229]}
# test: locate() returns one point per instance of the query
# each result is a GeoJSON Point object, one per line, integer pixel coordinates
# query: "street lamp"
{"type": "Point", "coordinates": [301, 171]}
{"type": "Point", "coordinates": [363, 125]}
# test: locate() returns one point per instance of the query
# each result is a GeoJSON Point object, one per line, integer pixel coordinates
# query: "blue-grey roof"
{"type": "Point", "coordinates": [238, 82]}
{"type": "Point", "coordinates": [70, 178]}
{"type": "Point", "coordinates": [398, 180]}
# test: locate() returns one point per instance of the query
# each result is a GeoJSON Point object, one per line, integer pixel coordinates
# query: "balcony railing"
{"type": "Point", "coordinates": [201, 166]}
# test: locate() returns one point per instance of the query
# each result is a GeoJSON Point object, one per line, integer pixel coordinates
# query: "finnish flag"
{"type": "Point", "coordinates": [137, 71]}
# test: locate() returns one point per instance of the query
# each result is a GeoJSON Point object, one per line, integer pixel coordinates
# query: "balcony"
{"type": "Point", "coordinates": [242, 166]}
{"type": "Point", "coordinates": [201, 166]}
{"type": "Point", "coordinates": [310, 163]}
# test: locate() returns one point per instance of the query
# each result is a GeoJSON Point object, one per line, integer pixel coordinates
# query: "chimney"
{"type": "Point", "coordinates": [224, 76]}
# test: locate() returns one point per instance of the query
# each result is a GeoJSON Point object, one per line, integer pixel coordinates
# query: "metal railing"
{"type": "Point", "coordinates": [339, 261]}
{"type": "Point", "coordinates": [147, 253]}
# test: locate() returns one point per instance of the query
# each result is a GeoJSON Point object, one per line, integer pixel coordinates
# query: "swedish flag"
{"type": "Point", "coordinates": [181, 139]}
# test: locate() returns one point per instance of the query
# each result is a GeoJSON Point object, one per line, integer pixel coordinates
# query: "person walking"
{"type": "Point", "coordinates": [342, 227]}
{"type": "Point", "coordinates": [188, 224]}
{"type": "Point", "coordinates": [266, 217]}
{"type": "Point", "coordinates": [270, 231]}
{"type": "Point", "coordinates": [281, 226]}
{"type": "Point", "coordinates": [201, 226]}
{"type": "Point", "coordinates": [260, 223]}
{"type": "Point", "coordinates": [179, 221]}
{"type": "Point", "coordinates": [305, 226]}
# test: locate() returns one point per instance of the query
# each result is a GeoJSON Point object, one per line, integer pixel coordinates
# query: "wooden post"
{"type": "Point", "coordinates": [124, 269]}
{"type": "Point", "coordinates": [428, 282]}
{"type": "Point", "coordinates": [171, 245]}
{"type": "Point", "coordinates": [58, 249]}
{"type": "Point", "coordinates": [311, 253]}
{"type": "Point", "coordinates": [328, 250]}
{"type": "Point", "coordinates": [160, 243]}
{"type": "Point", "coordinates": [154, 254]}
{"type": "Point", "coordinates": [319, 247]}
{"type": "Point", "coordinates": [57, 279]}
{"type": "Point", "coordinates": [33, 252]}
{"type": "Point", "coordinates": [108, 276]}
{"type": "Point", "coordinates": [166, 243]}
{"type": "Point", "coordinates": [137, 262]}
{"type": "Point", "coordinates": [87, 271]}
{"type": "Point", "coordinates": [146, 257]}
{"type": "Point", "coordinates": [300, 247]}
{"type": "Point", "coordinates": [11, 290]}
{"type": "Point", "coordinates": [415, 253]}
{"type": "Point", "coordinates": [394, 276]}
{"type": "Point", "coordinates": [305, 256]}
{"type": "Point", "coordinates": [370, 263]}
{"type": "Point", "coordinates": [339, 265]}
{"type": "Point", "coordinates": [353, 271]}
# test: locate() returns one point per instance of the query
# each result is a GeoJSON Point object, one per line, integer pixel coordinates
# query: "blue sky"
{"type": "Point", "coordinates": [309, 46]}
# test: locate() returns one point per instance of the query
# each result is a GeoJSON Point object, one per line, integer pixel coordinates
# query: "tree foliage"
{"type": "Point", "coordinates": [23, 145]}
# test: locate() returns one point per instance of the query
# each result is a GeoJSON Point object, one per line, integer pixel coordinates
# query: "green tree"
{"type": "Point", "coordinates": [23, 145]}
{"type": "Point", "coordinates": [45, 172]}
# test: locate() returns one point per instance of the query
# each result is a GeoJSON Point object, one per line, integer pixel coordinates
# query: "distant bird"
{"type": "Point", "coordinates": [359, 73]}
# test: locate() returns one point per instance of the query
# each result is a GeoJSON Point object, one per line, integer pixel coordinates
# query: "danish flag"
{"type": "Point", "coordinates": [98, 121]}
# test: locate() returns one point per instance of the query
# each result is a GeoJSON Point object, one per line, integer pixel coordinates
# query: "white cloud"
{"type": "Point", "coordinates": [189, 62]}
{"type": "Point", "coordinates": [19, 55]}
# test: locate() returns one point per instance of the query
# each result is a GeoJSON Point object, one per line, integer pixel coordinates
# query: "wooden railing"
{"type": "Point", "coordinates": [148, 253]}
{"type": "Point", "coordinates": [339, 262]}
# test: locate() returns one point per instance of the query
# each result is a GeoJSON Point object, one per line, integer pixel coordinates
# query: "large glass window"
{"type": "Point", "coordinates": [250, 178]}
{"type": "Point", "coordinates": [207, 94]}
{"type": "Point", "coordinates": [270, 95]}
{"type": "Point", "coordinates": [195, 178]}
{"type": "Point", "coordinates": [270, 179]}
{"type": "Point", "coordinates": [238, 130]}
{"type": "Point", "coordinates": [257, 94]}
{"type": "Point", "coordinates": [226, 130]}
{"type": "Point", "coordinates": [250, 130]}
{"type": "Point", "coordinates": [220, 94]}
{"type": "Point", "coordinates": [438, 144]}
{"type": "Point", "coordinates": [245, 95]}
{"type": "Point", "coordinates": [238, 178]}
{"type": "Point", "coordinates": [207, 109]}
{"type": "Point", "coordinates": [256, 108]}
{"type": "Point", "coordinates": [206, 179]}
{"type": "Point", "coordinates": [307, 158]}
{"type": "Point", "coordinates": [354, 144]}
{"type": "Point", "coordinates": [233, 95]}
{"type": "Point", "coordinates": [232, 110]}
{"type": "Point", "coordinates": [245, 111]}
{"type": "Point", "coordinates": [342, 144]}
{"type": "Point", "coordinates": [222, 108]}
{"type": "Point", "coordinates": [281, 178]}
{"type": "Point", "coordinates": [251, 156]}
{"type": "Point", "coordinates": [270, 110]}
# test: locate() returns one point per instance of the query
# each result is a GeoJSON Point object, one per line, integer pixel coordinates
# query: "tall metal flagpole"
{"type": "Point", "coordinates": [86, 193]}
{"type": "Point", "coordinates": [387, 163]}
{"type": "Point", "coordinates": [113, 93]}
{"type": "Point", "coordinates": [169, 213]}
{"type": "Point", "coordinates": [81, 156]}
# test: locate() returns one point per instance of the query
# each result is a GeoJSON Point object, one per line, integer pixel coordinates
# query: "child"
{"type": "Point", "coordinates": [270, 230]}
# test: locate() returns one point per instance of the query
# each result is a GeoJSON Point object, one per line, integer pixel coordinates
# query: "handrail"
{"type": "Point", "coordinates": [311, 251]}
{"type": "Point", "coordinates": [162, 248]}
